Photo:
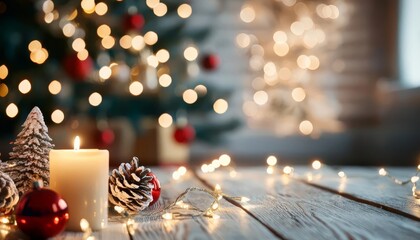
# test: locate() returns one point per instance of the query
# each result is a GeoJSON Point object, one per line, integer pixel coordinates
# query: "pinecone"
{"type": "Point", "coordinates": [9, 195]}
{"type": "Point", "coordinates": [130, 187]}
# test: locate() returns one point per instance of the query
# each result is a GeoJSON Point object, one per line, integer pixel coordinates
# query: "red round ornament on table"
{"type": "Point", "coordinates": [184, 134]}
{"type": "Point", "coordinates": [76, 68]}
{"type": "Point", "coordinates": [156, 188]}
{"type": "Point", "coordinates": [210, 62]}
{"type": "Point", "coordinates": [41, 213]}
{"type": "Point", "coordinates": [133, 22]}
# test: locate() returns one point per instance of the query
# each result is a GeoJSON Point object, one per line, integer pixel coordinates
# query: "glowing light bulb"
{"type": "Point", "coordinates": [12, 110]}
{"type": "Point", "coordinates": [341, 174]}
{"type": "Point", "coordinates": [165, 120]}
{"type": "Point", "coordinates": [382, 172]}
{"type": "Point", "coordinates": [204, 168]}
{"type": "Point", "coordinates": [184, 10]}
{"type": "Point", "coordinates": [57, 116]}
{"type": "Point", "coordinates": [136, 88]}
{"type": "Point", "coordinates": [287, 170]}
{"type": "Point", "coordinates": [220, 106]}
{"type": "Point", "coordinates": [270, 169]}
{"type": "Point", "coordinates": [244, 199]}
{"type": "Point", "coordinates": [95, 99]}
{"type": "Point", "coordinates": [25, 86]}
{"type": "Point", "coordinates": [182, 170]}
{"type": "Point", "coordinates": [414, 179]}
{"type": "Point", "coordinates": [271, 160]}
{"type": "Point", "coordinates": [167, 216]}
{"type": "Point", "coordinates": [316, 164]}
{"type": "Point", "coordinates": [224, 160]}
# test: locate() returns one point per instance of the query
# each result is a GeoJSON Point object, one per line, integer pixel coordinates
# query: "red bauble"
{"type": "Point", "coordinates": [210, 62]}
{"type": "Point", "coordinates": [76, 68]}
{"type": "Point", "coordinates": [133, 22]}
{"type": "Point", "coordinates": [105, 137]}
{"type": "Point", "coordinates": [41, 213]}
{"type": "Point", "coordinates": [156, 188]}
{"type": "Point", "coordinates": [184, 134]}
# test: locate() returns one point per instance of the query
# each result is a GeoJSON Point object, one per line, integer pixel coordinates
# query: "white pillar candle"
{"type": "Point", "coordinates": [81, 178]}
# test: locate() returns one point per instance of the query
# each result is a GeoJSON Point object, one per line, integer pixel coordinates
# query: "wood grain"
{"type": "Point", "coordinates": [299, 211]}
{"type": "Point", "coordinates": [365, 183]}
{"type": "Point", "coordinates": [234, 223]}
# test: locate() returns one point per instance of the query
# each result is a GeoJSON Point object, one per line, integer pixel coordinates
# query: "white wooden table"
{"type": "Point", "coordinates": [364, 206]}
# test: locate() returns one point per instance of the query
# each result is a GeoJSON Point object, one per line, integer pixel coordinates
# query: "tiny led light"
{"type": "Point", "coordinates": [150, 38]}
{"type": "Point", "coordinates": [95, 99]}
{"type": "Point", "coordinates": [136, 88]}
{"type": "Point", "coordinates": [165, 80]}
{"type": "Point", "coordinates": [306, 127]}
{"type": "Point", "coordinates": [176, 175]}
{"type": "Point", "coordinates": [382, 172]}
{"type": "Point", "coordinates": [167, 216]}
{"type": "Point", "coordinates": [216, 163]}
{"type": "Point", "coordinates": [3, 71]}
{"type": "Point", "coordinates": [84, 225]}
{"type": "Point", "coordinates": [78, 44]}
{"type": "Point", "coordinates": [244, 199]}
{"type": "Point", "coordinates": [25, 86]}
{"type": "Point", "coordinates": [182, 170]}
{"type": "Point", "coordinates": [204, 168]}
{"type": "Point", "coordinates": [191, 53]}
{"type": "Point", "coordinates": [224, 160]}
{"type": "Point", "coordinates": [316, 164]}
{"type": "Point", "coordinates": [341, 174]}
{"type": "Point", "coordinates": [270, 169]}
{"type": "Point", "coordinates": [287, 170]}
{"type": "Point", "coordinates": [57, 116]}
{"type": "Point", "coordinates": [217, 188]}
{"type": "Point", "coordinates": [271, 160]}
{"type": "Point", "coordinates": [165, 120]}
{"type": "Point", "coordinates": [137, 42]}
{"type": "Point", "coordinates": [105, 72]}
{"type": "Point", "coordinates": [414, 179]}
{"type": "Point", "coordinates": [162, 55]}
{"type": "Point", "coordinates": [298, 94]}
{"type": "Point", "coordinates": [189, 96]}
{"type": "Point", "coordinates": [103, 31]}
{"type": "Point", "coordinates": [243, 40]}
{"type": "Point", "coordinates": [12, 110]}
{"type": "Point", "coordinates": [247, 14]}
{"type": "Point", "coordinates": [220, 106]}
{"type": "Point", "coordinates": [184, 10]}
{"type": "Point", "coordinates": [160, 9]}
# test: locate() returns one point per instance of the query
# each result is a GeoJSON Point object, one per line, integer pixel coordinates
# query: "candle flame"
{"type": "Point", "coordinates": [76, 143]}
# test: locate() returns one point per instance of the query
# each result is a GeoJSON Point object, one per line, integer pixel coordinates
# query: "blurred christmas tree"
{"type": "Point", "coordinates": [292, 55]}
{"type": "Point", "coordinates": [107, 59]}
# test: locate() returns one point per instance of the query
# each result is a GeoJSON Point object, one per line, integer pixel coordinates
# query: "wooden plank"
{"type": "Point", "coordinates": [365, 183]}
{"type": "Point", "coordinates": [299, 211]}
{"type": "Point", "coordinates": [234, 223]}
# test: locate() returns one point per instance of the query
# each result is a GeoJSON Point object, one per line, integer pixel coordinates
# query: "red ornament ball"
{"type": "Point", "coordinates": [76, 68]}
{"type": "Point", "coordinates": [133, 22]}
{"type": "Point", "coordinates": [156, 188]}
{"type": "Point", "coordinates": [210, 62]}
{"type": "Point", "coordinates": [106, 137]}
{"type": "Point", "coordinates": [41, 213]}
{"type": "Point", "coordinates": [184, 134]}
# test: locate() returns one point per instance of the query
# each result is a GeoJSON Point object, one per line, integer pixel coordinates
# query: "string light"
{"type": "Point", "coordinates": [136, 88]}
{"type": "Point", "coordinates": [184, 10]}
{"type": "Point", "coordinates": [316, 164]}
{"type": "Point", "coordinates": [271, 160]}
{"type": "Point", "coordinates": [413, 180]}
{"type": "Point", "coordinates": [57, 116]}
{"type": "Point", "coordinates": [25, 86]}
{"type": "Point", "coordinates": [220, 106]}
{"type": "Point", "coordinates": [95, 99]}
{"type": "Point", "coordinates": [4, 71]}
{"type": "Point", "coordinates": [165, 120]}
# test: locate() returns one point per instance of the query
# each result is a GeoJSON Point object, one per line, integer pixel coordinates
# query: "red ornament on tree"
{"type": "Point", "coordinates": [105, 137]}
{"type": "Point", "coordinates": [41, 213]}
{"type": "Point", "coordinates": [76, 68]}
{"type": "Point", "coordinates": [210, 62]}
{"type": "Point", "coordinates": [133, 22]}
{"type": "Point", "coordinates": [156, 188]}
{"type": "Point", "coordinates": [185, 134]}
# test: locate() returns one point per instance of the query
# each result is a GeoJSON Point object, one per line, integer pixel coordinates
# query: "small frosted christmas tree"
{"type": "Point", "coordinates": [29, 160]}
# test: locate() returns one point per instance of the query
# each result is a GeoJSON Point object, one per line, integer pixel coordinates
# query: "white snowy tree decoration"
{"type": "Point", "coordinates": [29, 160]}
